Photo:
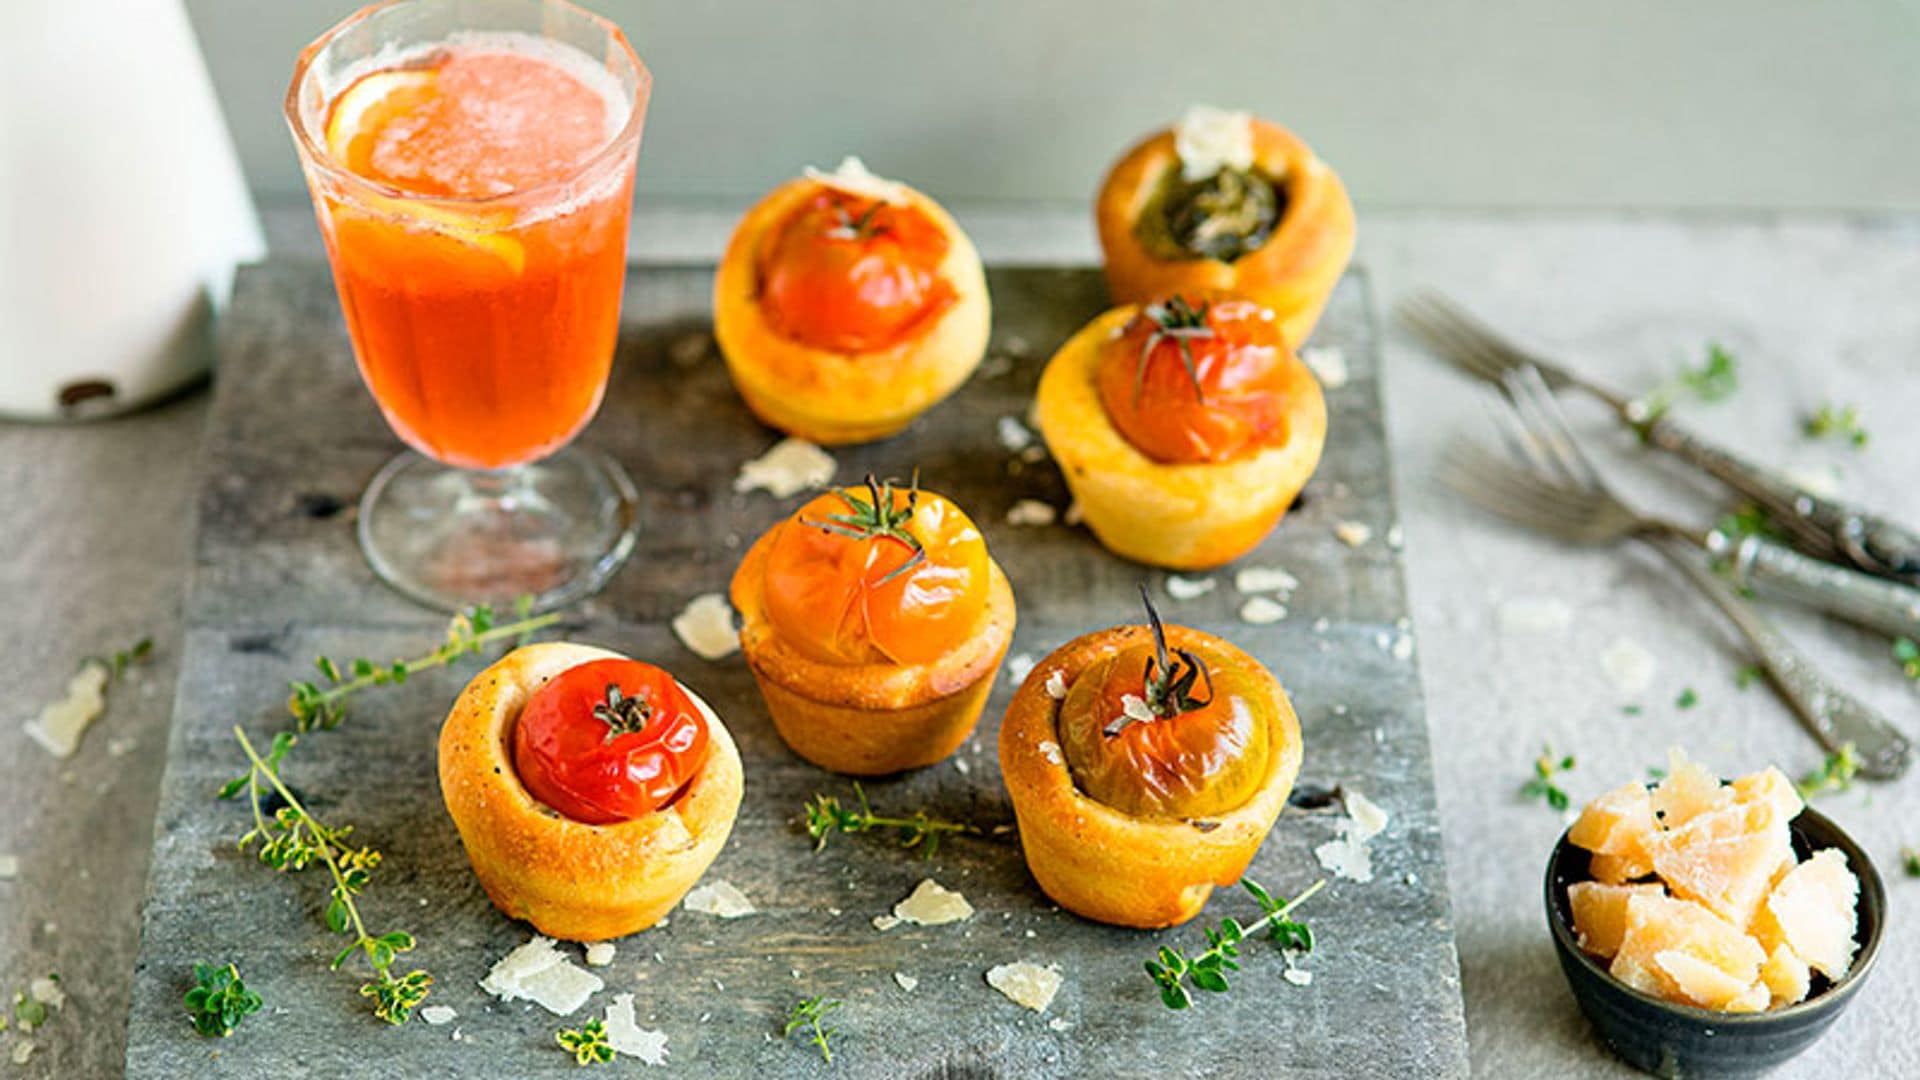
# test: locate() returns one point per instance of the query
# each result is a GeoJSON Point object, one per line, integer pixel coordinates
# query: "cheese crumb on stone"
{"type": "Point", "coordinates": [627, 1037]}
{"type": "Point", "coordinates": [1020, 667]}
{"type": "Point", "coordinates": [1347, 855]}
{"type": "Point", "coordinates": [438, 1014]}
{"type": "Point", "coordinates": [1014, 435]}
{"type": "Point", "coordinates": [60, 723]}
{"type": "Point", "coordinates": [1060, 1023]}
{"type": "Point", "coordinates": [931, 904]}
{"type": "Point", "coordinates": [1050, 750]}
{"type": "Point", "coordinates": [1183, 588]}
{"type": "Point", "coordinates": [22, 1050]}
{"type": "Point", "coordinates": [600, 954]}
{"type": "Point", "coordinates": [1629, 666]}
{"type": "Point", "coordinates": [1030, 512]}
{"type": "Point", "coordinates": [1353, 533]}
{"type": "Point", "coordinates": [1209, 139]}
{"type": "Point", "coordinates": [853, 177]}
{"type": "Point", "coordinates": [1328, 364]}
{"type": "Point", "coordinates": [1535, 615]}
{"type": "Point", "coordinates": [1264, 579]}
{"type": "Point", "coordinates": [1074, 515]}
{"type": "Point", "coordinates": [1261, 610]}
{"type": "Point", "coordinates": [788, 468]}
{"type": "Point", "coordinates": [1057, 685]}
{"type": "Point", "coordinates": [1026, 983]}
{"type": "Point", "coordinates": [1298, 976]}
{"type": "Point", "coordinates": [46, 990]}
{"type": "Point", "coordinates": [719, 898]}
{"type": "Point", "coordinates": [9, 867]}
{"type": "Point", "coordinates": [884, 923]}
{"type": "Point", "coordinates": [540, 973]}
{"type": "Point", "coordinates": [906, 981]}
{"type": "Point", "coordinates": [706, 627]}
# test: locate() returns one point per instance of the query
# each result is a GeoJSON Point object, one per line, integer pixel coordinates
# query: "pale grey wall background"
{"type": "Point", "coordinates": [1723, 104]}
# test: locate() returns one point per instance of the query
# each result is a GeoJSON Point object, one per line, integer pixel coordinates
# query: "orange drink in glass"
{"type": "Point", "coordinates": [471, 164]}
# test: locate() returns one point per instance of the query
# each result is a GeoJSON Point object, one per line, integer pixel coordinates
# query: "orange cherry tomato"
{"type": "Point", "coordinates": [609, 741]}
{"type": "Point", "coordinates": [1199, 377]}
{"type": "Point", "coordinates": [877, 575]}
{"type": "Point", "coordinates": [851, 274]}
{"type": "Point", "coordinates": [1189, 764]}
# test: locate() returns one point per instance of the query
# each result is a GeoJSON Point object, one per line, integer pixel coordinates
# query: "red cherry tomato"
{"type": "Point", "coordinates": [1199, 378]}
{"type": "Point", "coordinates": [850, 274]}
{"type": "Point", "coordinates": [609, 741]}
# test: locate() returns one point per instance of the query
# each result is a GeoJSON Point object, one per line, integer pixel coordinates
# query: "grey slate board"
{"type": "Point", "coordinates": [278, 580]}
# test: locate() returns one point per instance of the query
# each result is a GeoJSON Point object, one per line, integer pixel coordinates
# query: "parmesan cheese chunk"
{"type": "Point", "coordinates": [1183, 588]}
{"type": "Point", "coordinates": [1014, 435]}
{"type": "Point", "coordinates": [1328, 364]}
{"type": "Point", "coordinates": [60, 724]}
{"type": "Point", "coordinates": [1209, 139]}
{"type": "Point", "coordinates": [1051, 750]}
{"type": "Point", "coordinates": [706, 627]}
{"type": "Point", "coordinates": [1060, 1023]}
{"type": "Point", "coordinates": [906, 981]}
{"type": "Point", "coordinates": [626, 1036]}
{"type": "Point", "coordinates": [46, 990]}
{"type": "Point", "coordinates": [1265, 579]}
{"type": "Point", "coordinates": [853, 177]}
{"type": "Point", "coordinates": [1262, 610]}
{"type": "Point", "coordinates": [1057, 685]}
{"type": "Point", "coordinates": [720, 898]}
{"type": "Point", "coordinates": [1347, 855]}
{"type": "Point", "coordinates": [1353, 533]}
{"type": "Point", "coordinates": [1026, 984]}
{"type": "Point", "coordinates": [931, 904]}
{"type": "Point", "coordinates": [1629, 666]}
{"type": "Point", "coordinates": [1298, 976]}
{"type": "Point", "coordinates": [600, 954]}
{"type": "Point", "coordinates": [789, 467]}
{"type": "Point", "coordinates": [22, 1050]}
{"type": "Point", "coordinates": [10, 864]}
{"type": "Point", "coordinates": [1135, 708]}
{"type": "Point", "coordinates": [540, 973]}
{"type": "Point", "coordinates": [438, 1014]}
{"type": "Point", "coordinates": [1030, 512]}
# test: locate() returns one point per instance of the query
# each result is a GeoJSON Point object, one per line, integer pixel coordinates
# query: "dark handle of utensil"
{"type": "Point", "coordinates": [1876, 603]}
{"type": "Point", "coordinates": [1823, 528]}
{"type": "Point", "coordinates": [1834, 717]}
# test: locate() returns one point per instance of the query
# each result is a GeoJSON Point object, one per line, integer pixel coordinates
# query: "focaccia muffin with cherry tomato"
{"type": "Point", "coordinates": [1146, 764]}
{"type": "Point", "coordinates": [590, 791]}
{"type": "Point", "coordinates": [874, 621]}
{"type": "Point", "coordinates": [1223, 200]}
{"type": "Point", "coordinates": [1185, 428]}
{"type": "Point", "coordinates": [846, 305]}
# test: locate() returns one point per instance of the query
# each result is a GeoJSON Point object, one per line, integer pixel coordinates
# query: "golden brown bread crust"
{"type": "Point", "coordinates": [1293, 273]}
{"type": "Point", "coordinates": [1187, 517]}
{"type": "Point", "coordinates": [830, 397]}
{"type": "Point", "coordinates": [870, 719]}
{"type": "Point", "coordinates": [571, 880]}
{"type": "Point", "coordinates": [1105, 865]}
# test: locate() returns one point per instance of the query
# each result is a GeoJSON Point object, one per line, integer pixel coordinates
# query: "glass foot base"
{"type": "Point", "coordinates": [554, 530]}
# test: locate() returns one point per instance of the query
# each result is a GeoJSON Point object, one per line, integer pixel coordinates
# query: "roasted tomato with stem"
{"type": "Point", "coordinates": [1199, 378]}
{"type": "Point", "coordinates": [609, 741]}
{"type": "Point", "coordinates": [852, 274]}
{"type": "Point", "coordinates": [1155, 732]}
{"type": "Point", "coordinates": [884, 575]}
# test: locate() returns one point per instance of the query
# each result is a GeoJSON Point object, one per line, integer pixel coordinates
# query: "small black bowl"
{"type": "Point", "coordinates": [1671, 1040]}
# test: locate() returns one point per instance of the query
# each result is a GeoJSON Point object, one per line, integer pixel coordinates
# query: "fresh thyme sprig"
{"type": "Point", "coordinates": [588, 1043]}
{"type": "Point", "coordinates": [1180, 322]}
{"type": "Point", "coordinates": [219, 1000]}
{"type": "Point", "coordinates": [1836, 773]}
{"type": "Point", "coordinates": [120, 661]}
{"type": "Point", "coordinates": [291, 839]}
{"type": "Point", "coordinates": [1171, 968]}
{"type": "Point", "coordinates": [1171, 676]}
{"type": "Point", "coordinates": [468, 632]}
{"type": "Point", "coordinates": [807, 1013]}
{"type": "Point", "coordinates": [1542, 786]}
{"type": "Point", "coordinates": [1906, 653]}
{"type": "Point", "coordinates": [1715, 378]}
{"type": "Point", "coordinates": [876, 517]}
{"type": "Point", "coordinates": [825, 816]}
{"type": "Point", "coordinates": [1832, 420]}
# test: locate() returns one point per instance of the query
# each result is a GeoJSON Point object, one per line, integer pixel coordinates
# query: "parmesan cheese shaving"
{"type": "Point", "coordinates": [1347, 855]}
{"type": "Point", "coordinates": [46, 990]}
{"type": "Point", "coordinates": [1050, 750]}
{"type": "Point", "coordinates": [788, 468]}
{"type": "Point", "coordinates": [1135, 708]}
{"type": "Point", "coordinates": [1183, 588]}
{"type": "Point", "coordinates": [931, 904]}
{"type": "Point", "coordinates": [60, 724]}
{"type": "Point", "coordinates": [853, 177]}
{"type": "Point", "coordinates": [1629, 666]}
{"type": "Point", "coordinates": [1057, 685]}
{"type": "Point", "coordinates": [1298, 976]}
{"type": "Point", "coordinates": [1020, 667]}
{"type": "Point", "coordinates": [706, 627]}
{"type": "Point", "coordinates": [9, 867]}
{"type": "Point", "coordinates": [626, 1036]}
{"type": "Point", "coordinates": [1060, 1023]}
{"type": "Point", "coordinates": [22, 1050]}
{"type": "Point", "coordinates": [906, 981]}
{"type": "Point", "coordinates": [1014, 435]}
{"type": "Point", "coordinates": [1261, 610]}
{"type": "Point", "coordinates": [1031, 512]}
{"type": "Point", "coordinates": [540, 973]}
{"type": "Point", "coordinates": [1026, 983]}
{"type": "Point", "coordinates": [1265, 579]}
{"type": "Point", "coordinates": [884, 923]}
{"type": "Point", "coordinates": [1328, 364]}
{"type": "Point", "coordinates": [1353, 533]}
{"type": "Point", "coordinates": [720, 898]}
{"type": "Point", "coordinates": [438, 1014]}
{"type": "Point", "coordinates": [1209, 139]}
{"type": "Point", "coordinates": [600, 954]}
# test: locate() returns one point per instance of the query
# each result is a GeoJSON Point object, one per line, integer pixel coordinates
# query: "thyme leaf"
{"type": "Point", "coordinates": [1170, 968]}
{"type": "Point", "coordinates": [807, 1013]}
{"type": "Point", "coordinates": [826, 816]}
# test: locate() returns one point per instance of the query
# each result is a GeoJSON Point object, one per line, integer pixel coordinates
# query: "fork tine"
{"type": "Point", "coordinates": [1548, 422]}
{"type": "Point", "coordinates": [1489, 472]}
{"type": "Point", "coordinates": [1442, 318]}
{"type": "Point", "coordinates": [1482, 479]}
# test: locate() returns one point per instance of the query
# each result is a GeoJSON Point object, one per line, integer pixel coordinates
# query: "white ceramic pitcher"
{"type": "Point", "coordinates": [122, 206]}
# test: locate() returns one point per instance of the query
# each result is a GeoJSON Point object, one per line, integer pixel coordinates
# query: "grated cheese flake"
{"type": "Point", "coordinates": [906, 981]}
{"type": "Point", "coordinates": [1051, 751]}
{"type": "Point", "coordinates": [1057, 685]}
{"type": "Point", "coordinates": [1185, 588]}
{"type": "Point", "coordinates": [884, 923]}
{"type": "Point", "coordinates": [60, 724]}
{"type": "Point", "coordinates": [705, 626]}
{"type": "Point", "coordinates": [1264, 579]}
{"type": "Point", "coordinates": [1298, 976]}
{"type": "Point", "coordinates": [22, 1050]}
{"type": "Point", "coordinates": [1025, 983]}
{"type": "Point", "coordinates": [1262, 610]}
{"type": "Point", "coordinates": [626, 1036]}
{"type": "Point", "coordinates": [789, 467]}
{"type": "Point", "coordinates": [1209, 139]}
{"type": "Point", "coordinates": [1060, 1023]}
{"type": "Point", "coordinates": [1347, 855]}
{"type": "Point", "coordinates": [1134, 707]}
{"type": "Point", "coordinates": [1328, 364]}
{"type": "Point", "coordinates": [719, 898]}
{"type": "Point", "coordinates": [1353, 533]}
{"type": "Point", "coordinates": [932, 904]}
{"type": "Point", "coordinates": [1535, 615]}
{"type": "Point", "coordinates": [600, 954]}
{"type": "Point", "coordinates": [1014, 435]}
{"type": "Point", "coordinates": [438, 1014]}
{"type": "Point", "coordinates": [9, 867]}
{"type": "Point", "coordinates": [1020, 666]}
{"type": "Point", "coordinates": [46, 990]}
{"type": "Point", "coordinates": [853, 177]}
{"type": "Point", "coordinates": [1031, 512]}
{"type": "Point", "coordinates": [540, 973]}
{"type": "Point", "coordinates": [1629, 666]}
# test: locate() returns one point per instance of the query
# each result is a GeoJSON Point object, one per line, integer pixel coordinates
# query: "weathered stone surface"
{"type": "Point", "coordinates": [276, 583]}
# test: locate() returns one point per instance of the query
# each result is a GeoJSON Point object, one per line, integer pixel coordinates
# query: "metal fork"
{"type": "Point", "coordinates": [1824, 528]}
{"type": "Point", "coordinates": [1560, 491]}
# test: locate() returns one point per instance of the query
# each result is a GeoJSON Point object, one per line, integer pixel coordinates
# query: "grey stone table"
{"type": "Point", "coordinates": [95, 551]}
